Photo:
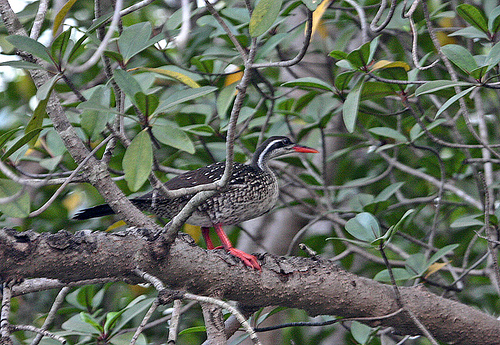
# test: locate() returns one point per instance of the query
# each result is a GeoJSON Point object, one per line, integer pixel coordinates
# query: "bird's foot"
{"type": "Point", "coordinates": [248, 259]}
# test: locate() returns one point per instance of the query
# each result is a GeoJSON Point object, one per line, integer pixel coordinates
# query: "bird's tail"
{"type": "Point", "coordinates": [93, 212]}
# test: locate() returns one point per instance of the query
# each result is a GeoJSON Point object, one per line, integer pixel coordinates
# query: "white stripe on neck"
{"type": "Point", "coordinates": [261, 162]}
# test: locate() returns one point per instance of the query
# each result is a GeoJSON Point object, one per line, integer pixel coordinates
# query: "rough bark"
{"type": "Point", "coordinates": [316, 286]}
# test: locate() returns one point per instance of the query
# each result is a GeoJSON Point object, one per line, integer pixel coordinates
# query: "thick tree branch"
{"type": "Point", "coordinates": [316, 286]}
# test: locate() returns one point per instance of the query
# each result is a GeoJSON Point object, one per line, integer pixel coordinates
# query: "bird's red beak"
{"type": "Point", "coordinates": [305, 149]}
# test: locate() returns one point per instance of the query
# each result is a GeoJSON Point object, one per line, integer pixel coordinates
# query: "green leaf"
{"type": "Point", "coordinates": [363, 227]}
{"type": "Point", "coordinates": [309, 82]}
{"type": "Point", "coordinates": [473, 16]}
{"type": "Point", "coordinates": [342, 80]}
{"type": "Point", "coordinates": [147, 104]}
{"type": "Point", "coordinates": [138, 161]}
{"type": "Point", "coordinates": [417, 264]}
{"type": "Point", "coordinates": [6, 136]}
{"type": "Point", "coordinates": [37, 120]}
{"type": "Point", "coordinates": [493, 57]}
{"type": "Point", "coordinates": [375, 90]}
{"type": "Point", "coordinates": [96, 113]}
{"type": "Point", "coordinates": [388, 192]}
{"type": "Point", "coordinates": [466, 221]}
{"type": "Point", "coordinates": [58, 20]}
{"type": "Point", "coordinates": [388, 133]}
{"type": "Point", "coordinates": [173, 136]}
{"type": "Point", "coordinates": [312, 4]}
{"type": "Point", "coordinates": [77, 326]}
{"type": "Point", "coordinates": [201, 130]}
{"type": "Point", "coordinates": [437, 85]}
{"type": "Point", "coordinates": [351, 106]}
{"type": "Point", "coordinates": [400, 274]}
{"type": "Point", "coordinates": [338, 54]}
{"type": "Point", "coordinates": [136, 38]}
{"type": "Point", "coordinates": [442, 252]}
{"type": "Point", "coordinates": [183, 96]}
{"type": "Point", "coordinates": [195, 329]}
{"type": "Point", "coordinates": [21, 142]}
{"type": "Point", "coordinates": [225, 99]}
{"type": "Point", "coordinates": [126, 339]}
{"type": "Point", "coordinates": [453, 100]}
{"type": "Point", "coordinates": [45, 90]}
{"type": "Point", "coordinates": [417, 131]}
{"type": "Point", "coordinates": [494, 20]}
{"type": "Point", "coordinates": [460, 57]}
{"type": "Point", "coordinates": [89, 319]}
{"type": "Point", "coordinates": [132, 310]}
{"type": "Point", "coordinates": [18, 208]}
{"type": "Point", "coordinates": [360, 58]}
{"type": "Point", "coordinates": [111, 319]}
{"type": "Point", "coordinates": [263, 16]}
{"type": "Point", "coordinates": [21, 65]}
{"type": "Point", "coordinates": [58, 48]}
{"type": "Point", "coordinates": [360, 332]}
{"type": "Point", "coordinates": [29, 45]}
{"type": "Point", "coordinates": [127, 83]}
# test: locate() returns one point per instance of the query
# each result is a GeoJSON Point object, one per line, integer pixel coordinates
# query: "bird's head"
{"type": "Point", "coordinates": [277, 146]}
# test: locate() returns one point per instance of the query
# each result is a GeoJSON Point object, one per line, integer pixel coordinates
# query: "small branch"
{"type": "Point", "coordinates": [40, 331]}
{"type": "Point", "coordinates": [51, 315]}
{"type": "Point", "coordinates": [102, 46]}
{"type": "Point", "coordinates": [39, 18]}
{"type": "Point", "coordinates": [302, 52]}
{"type": "Point", "coordinates": [5, 312]}
{"type": "Point", "coordinates": [144, 321]}
{"type": "Point", "coordinates": [231, 309]}
{"type": "Point", "coordinates": [174, 323]}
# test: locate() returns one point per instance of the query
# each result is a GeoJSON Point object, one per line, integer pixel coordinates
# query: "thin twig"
{"type": "Point", "coordinates": [229, 308]}
{"type": "Point", "coordinates": [39, 18]}
{"type": "Point", "coordinates": [174, 323]}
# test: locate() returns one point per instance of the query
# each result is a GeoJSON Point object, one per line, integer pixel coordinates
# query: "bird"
{"type": "Point", "coordinates": [252, 191]}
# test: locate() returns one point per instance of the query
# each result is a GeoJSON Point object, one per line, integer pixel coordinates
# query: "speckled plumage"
{"type": "Point", "coordinates": [251, 192]}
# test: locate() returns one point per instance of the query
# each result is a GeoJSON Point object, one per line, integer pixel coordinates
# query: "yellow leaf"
{"type": "Point", "coordinates": [115, 225]}
{"type": "Point", "coordinates": [390, 64]}
{"type": "Point", "coordinates": [318, 14]}
{"type": "Point", "coordinates": [193, 231]}
{"type": "Point", "coordinates": [172, 74]}
{"type": "Point", "coordinates": [58, 20]}
{"type": "Point", "coordinates": [234, 77]}
{"type": "Point", "coordinates": [435, 267]}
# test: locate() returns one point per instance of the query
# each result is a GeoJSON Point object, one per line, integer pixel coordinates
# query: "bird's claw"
{"type": "Point", "coordinates": [248, 259]}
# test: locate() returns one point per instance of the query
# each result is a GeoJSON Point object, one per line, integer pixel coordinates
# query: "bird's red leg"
{"type": "Point", "coordinates": [206, 235]}
{"type": "Point", "coordinates": [247, 259]}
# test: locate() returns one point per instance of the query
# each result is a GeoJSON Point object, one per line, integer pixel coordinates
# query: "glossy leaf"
{"type": "Point", "coordinates": [313, 5]}
{"type": "Point", "coordinates": [390, 64]}
{"type": "Point", "coordinates": [460, 57]}
{"type": "Point", "coordinates": [21, 142]}
{"type": "Point", "coordinates": [147, 104]}
{"type": "Point", "coordinates": [466, 221]}
{"type": "Point", "coordinates": [263, 16]}
{"type": "Point", "coordinates": [472, 16]}
{"type": "Point", "coordinates": [183, 96]}
{"type": "Point", "coordinates": [37, 120]}
{"type": "Point", "coordinates": [29, 45]}
{"type": "Point", "coordinates": [225, 99]}
{"type": "Point", "coordinates": [388, 133]}
{"type": "Point", "coordinates": [136, 38]}
{"type": "Point", "coordinates": [21, 65]}
{"type": "Point", "coordinates": [138, 161]}
{"type": "Point", "coordinates": [127, 83]}
{"type": "Point", "coordinates": [453, 99]}
{"type": "Point", "coordinates": [308, 83]}
{"type": "Point", "coordinates": [360, 57]}
{"type": "Point", "coordinates": [58, 48]}
{"type": "Point", "coordinates": [351, 106]}
{"type": "Point", "coordinates": [400, 274]}
{"type": "Point", "coordinates": [363, 227]}
{"type": "Point", "coordinates": [436, 85]}
{"type": "Point", "coordinates": [134, 308]}
{"type": "Point", "coordinates": [361, 332]}
{"type": "Point", "coordinates": [174, 137]}
{"type": "Point", "coordinates": [494, 20]}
